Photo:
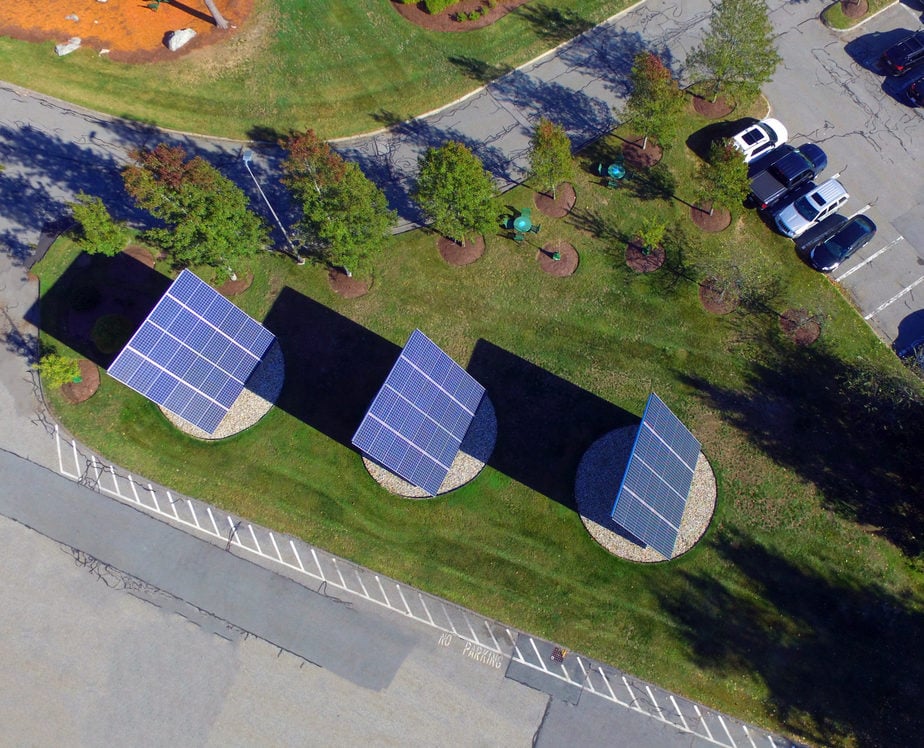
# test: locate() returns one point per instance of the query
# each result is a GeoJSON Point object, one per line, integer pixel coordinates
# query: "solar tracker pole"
{"type": "Point", "coordinates": [247, 156]}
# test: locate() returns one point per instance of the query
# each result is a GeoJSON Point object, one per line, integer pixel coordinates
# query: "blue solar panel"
{"type": "Point", "coordinates": [419, 417]}
{"type": "Point", "coordinates": [654, 489]}
{"type": "Point", "coordinates": [193, 353]}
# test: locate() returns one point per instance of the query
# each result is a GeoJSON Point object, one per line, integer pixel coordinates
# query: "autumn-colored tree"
{"type": "Point", "coordinates": [550, 161]}
{"type": "Point", "coordinates": [656, 101]}
{"type": "Point", "coordinates": [208, 218]}
{"type": "Point", "coordinates": [311, 164]}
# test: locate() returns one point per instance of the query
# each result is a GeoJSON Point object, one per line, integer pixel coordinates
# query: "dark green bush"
{"type": "Point", "coordinates": [438, 6]}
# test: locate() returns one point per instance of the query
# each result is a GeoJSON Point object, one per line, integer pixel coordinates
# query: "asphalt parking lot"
{"type": "Point", "coordinates": [828, 90]}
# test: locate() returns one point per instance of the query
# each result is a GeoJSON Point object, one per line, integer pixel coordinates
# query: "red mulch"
{"type": "Point", "coordinates": [713, 302]}
{"type": "Point", "coordinates": [709, 109]}
{"type": "Point", "coordinates": [562, 267]}
{"type": "Point", "coordinates": [799, 327]}
{"type": "Point", "coordinates": [855, 10]}
{"type": "Point", "coordinates": [445, 21]}
{"type": "Point", "coordinates": [639, 261]}
{"type": "Point", "coordinates": [77, 392]}
{"type": "Point", "coordinates": [345, 286]}
{"type": "Point", "coordinates": [719, 220]}
{"type": "Point", "coordinates": [233, 288]}
{"type": "Point", "coordinates": [560, 205]}
{"type": "Point", "coordinates": [460, 254]}
{"type": "Point", "coordinates": [637, 157]}
{"type": "Point", "coordinates": [131, 31]}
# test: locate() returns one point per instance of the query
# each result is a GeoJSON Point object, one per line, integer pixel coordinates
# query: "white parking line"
{"type": "Point", "coordinates": [869, 259]}
{"type": "Point", "coordinates": [895, 298]}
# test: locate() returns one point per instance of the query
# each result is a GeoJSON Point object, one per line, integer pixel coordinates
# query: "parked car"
{"type": "Point", "coordinates": [853, 235]}
{"type": "Point", "coordinates": [794, 218]}
{"type": "Point", "coordinates": [760, 138]}
{"type": "Point", "coordinates": [819, 232]}
{"type": "Point", "coordinates": [916, 91]}
{"type": "Point", "coordinates": [789, 171]}
{"type": "Point", "coordinates": [902, 56]}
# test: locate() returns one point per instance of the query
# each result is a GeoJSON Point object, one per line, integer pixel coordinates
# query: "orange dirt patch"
{"type": "Point", "coordinates": [129, 29]}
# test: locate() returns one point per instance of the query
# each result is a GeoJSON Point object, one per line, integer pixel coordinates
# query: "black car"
{"type": "Point", "coordinates": [819, 232]}
{"type": "Point", "coordinates": [786, 173]}
{"type": "Point", "coordinates": [902, 56]}
{"type": "Point", "coordinates": [916, 91]}
{"type": "Point", "coordinates": [853, 235]}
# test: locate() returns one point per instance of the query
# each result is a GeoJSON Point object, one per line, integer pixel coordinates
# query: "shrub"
{"type": "Point", "coordinates": [56, 370]}
{"type": "Point", "coordinates": [98, 233]}
{"type": "Point", "coordinates": [438, 6]}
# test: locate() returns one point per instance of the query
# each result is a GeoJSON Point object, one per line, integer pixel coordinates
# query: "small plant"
{"type": "Point", "coordinates": [651, 234]}
{"type": "Point", "coordinates": [56, 370]}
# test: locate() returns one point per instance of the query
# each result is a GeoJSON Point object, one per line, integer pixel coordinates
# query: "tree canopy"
{"type": "Point", "coordinates": [656, 100]}
{"type": "Point", "coordinates": [550, 161]}
{"type": "Point", "coordinates": [345, 215]}
{"type": "Point", "coordinates": [723, 179]}
{"type": "Point", "coordinates": [456, 192]}
{"type": "Point", "coordinates": [738, 52]}
{"type": "Point", "coordinates": [209, 221]}
{"type": "Point", "coordinates": [98, 233]}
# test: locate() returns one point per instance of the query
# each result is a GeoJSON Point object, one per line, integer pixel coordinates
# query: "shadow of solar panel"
{"type": "Point", "coordinates": [653, 493]}
{"type": "Point", "coordinates": [419, 417]}
{"type": "Point", "coordinates": [194, 353]}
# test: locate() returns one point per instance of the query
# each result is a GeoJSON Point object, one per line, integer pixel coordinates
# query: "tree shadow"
{"type": "Point", "coordinates": [701, 140]}
{"type": "Point", "coordinates": [545, 423]}
{"type": "Point", "coordinates": [867, 50]}
{"type": "Point", "coordinates": [910, 332]}
{"type": "Point", "coordinates": [851, 429]}
{"type": "Point", "coordinates": [609, 53]}
{"type": "Point", "coordinates": [478, 70]}
{"type": "Point", "coordinates": [553, 24]}
{"type": "Point", "coordinates": [835, 651]}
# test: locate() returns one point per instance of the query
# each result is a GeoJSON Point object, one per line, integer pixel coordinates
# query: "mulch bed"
{"type": "Point", "coordinates": [460, 254]}
{"type": "Point", "coordinates": [799, 328]}
{"type": "Point", "coordinates": [709, 109]}
{"type": "Point", "coordinates": [345, 286]}
{"type": "Point", "coordinates": [77, 392]}
{"type": "Point", "coordinates": [562, 267]}
{"type": "Point", "coordinates": [560, 205]}
{"type": "Point", "coordinates": [637, 157]}
{"type": "Point", "coordinates": [855, 10]}
{"type": "Point", "coordinates": [233, 288]}
{"type": "Point", "coordinates": [445, 21]}
{"type": "Point", "coordinates": [718, 221]}
{"type": "Point", "coordinates": [712, 300]}
{"type": "Point", "coordinates": [639, 261]}
{"type": "Point", "coordinates": [131, 31]}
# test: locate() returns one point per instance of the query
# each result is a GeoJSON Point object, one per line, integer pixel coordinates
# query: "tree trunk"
{"type": "Point", "coordinates": [645, 143]}
{"type": "Point", "coordinates": [219, 19]}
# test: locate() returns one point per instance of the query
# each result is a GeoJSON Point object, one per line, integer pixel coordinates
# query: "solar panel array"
{"type": "Point", "coordinates": [419, 417]}
{"type": "Point", "coordinates": [193, 353]}
{"type": "Point", "coordinates": [654, 489]}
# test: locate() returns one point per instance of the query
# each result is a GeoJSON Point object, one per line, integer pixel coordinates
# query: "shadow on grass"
{"type": "Point", "coordinates": [95, 287]}
{"type": "Point", "coordinates": [552, 24]}
{"type": "Point", "coordinates": [701, 140]}
{"type": "Point", "coordinates": [545, 423]}
{"type": "Point", "coordinates": [334, 367]}
{"type": "Point", "coordinates": [834, 651]}
{"type": "Point", "coordinates": [851, 429]}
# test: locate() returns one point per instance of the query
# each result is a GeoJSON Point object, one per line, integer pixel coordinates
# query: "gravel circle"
{"type": "Point", "coordinates": [474, 452]}
{"type": "Point", "coordinates": [595, 490]}
{"type": "Point", "coordinates": [252, 404]}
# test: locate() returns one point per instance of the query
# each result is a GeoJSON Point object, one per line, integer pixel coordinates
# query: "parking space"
{"type": "Point", "coordinates": [829, 91]}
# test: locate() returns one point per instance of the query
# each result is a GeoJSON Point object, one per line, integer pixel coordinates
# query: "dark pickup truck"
{"type": "Point", "coordinates": [788, 171]}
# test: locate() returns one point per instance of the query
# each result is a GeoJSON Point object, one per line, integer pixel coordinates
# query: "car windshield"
{"type": "Point", "coordinates": [809, 206]}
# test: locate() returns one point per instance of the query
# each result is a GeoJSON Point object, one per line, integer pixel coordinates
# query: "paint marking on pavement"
{"type": "Point", "coordinates": [870, 258]}
{"type": "Point", "coordinates": [895, 298]}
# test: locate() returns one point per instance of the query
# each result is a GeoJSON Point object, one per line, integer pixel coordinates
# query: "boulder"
{"type": "Point", "coordinates": [72, 17]}
{"type": "Point", "coordinates": [177, 39]}
{"type": "Point", "coordinates": [69, 46]}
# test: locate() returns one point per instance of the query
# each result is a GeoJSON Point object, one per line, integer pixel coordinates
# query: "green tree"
{"type": "Point", "coordinates": [550, 161]}
{"type": "Point", "coordinates": [350, 219]}
{"type": "Point", "coordinates": [656, 100]}
{"type": "Point", "coordinates": [723, 179]}
{"type": "Point", "coordinates": [98, 233]}
{"type": "Point", "coordinates": [56, 370]}
{"type": "Point", "coordinates": [738, 53]}
{"type": "Point", "coordinates": [209, 221]}
{"type": "Point", "coordinates": [456, 192]}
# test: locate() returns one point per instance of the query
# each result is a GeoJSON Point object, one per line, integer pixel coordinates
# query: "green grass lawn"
{"type": "Point", "coordinates": [797, 609]}
{"type": "Point", "coordinates": [285, 69]}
